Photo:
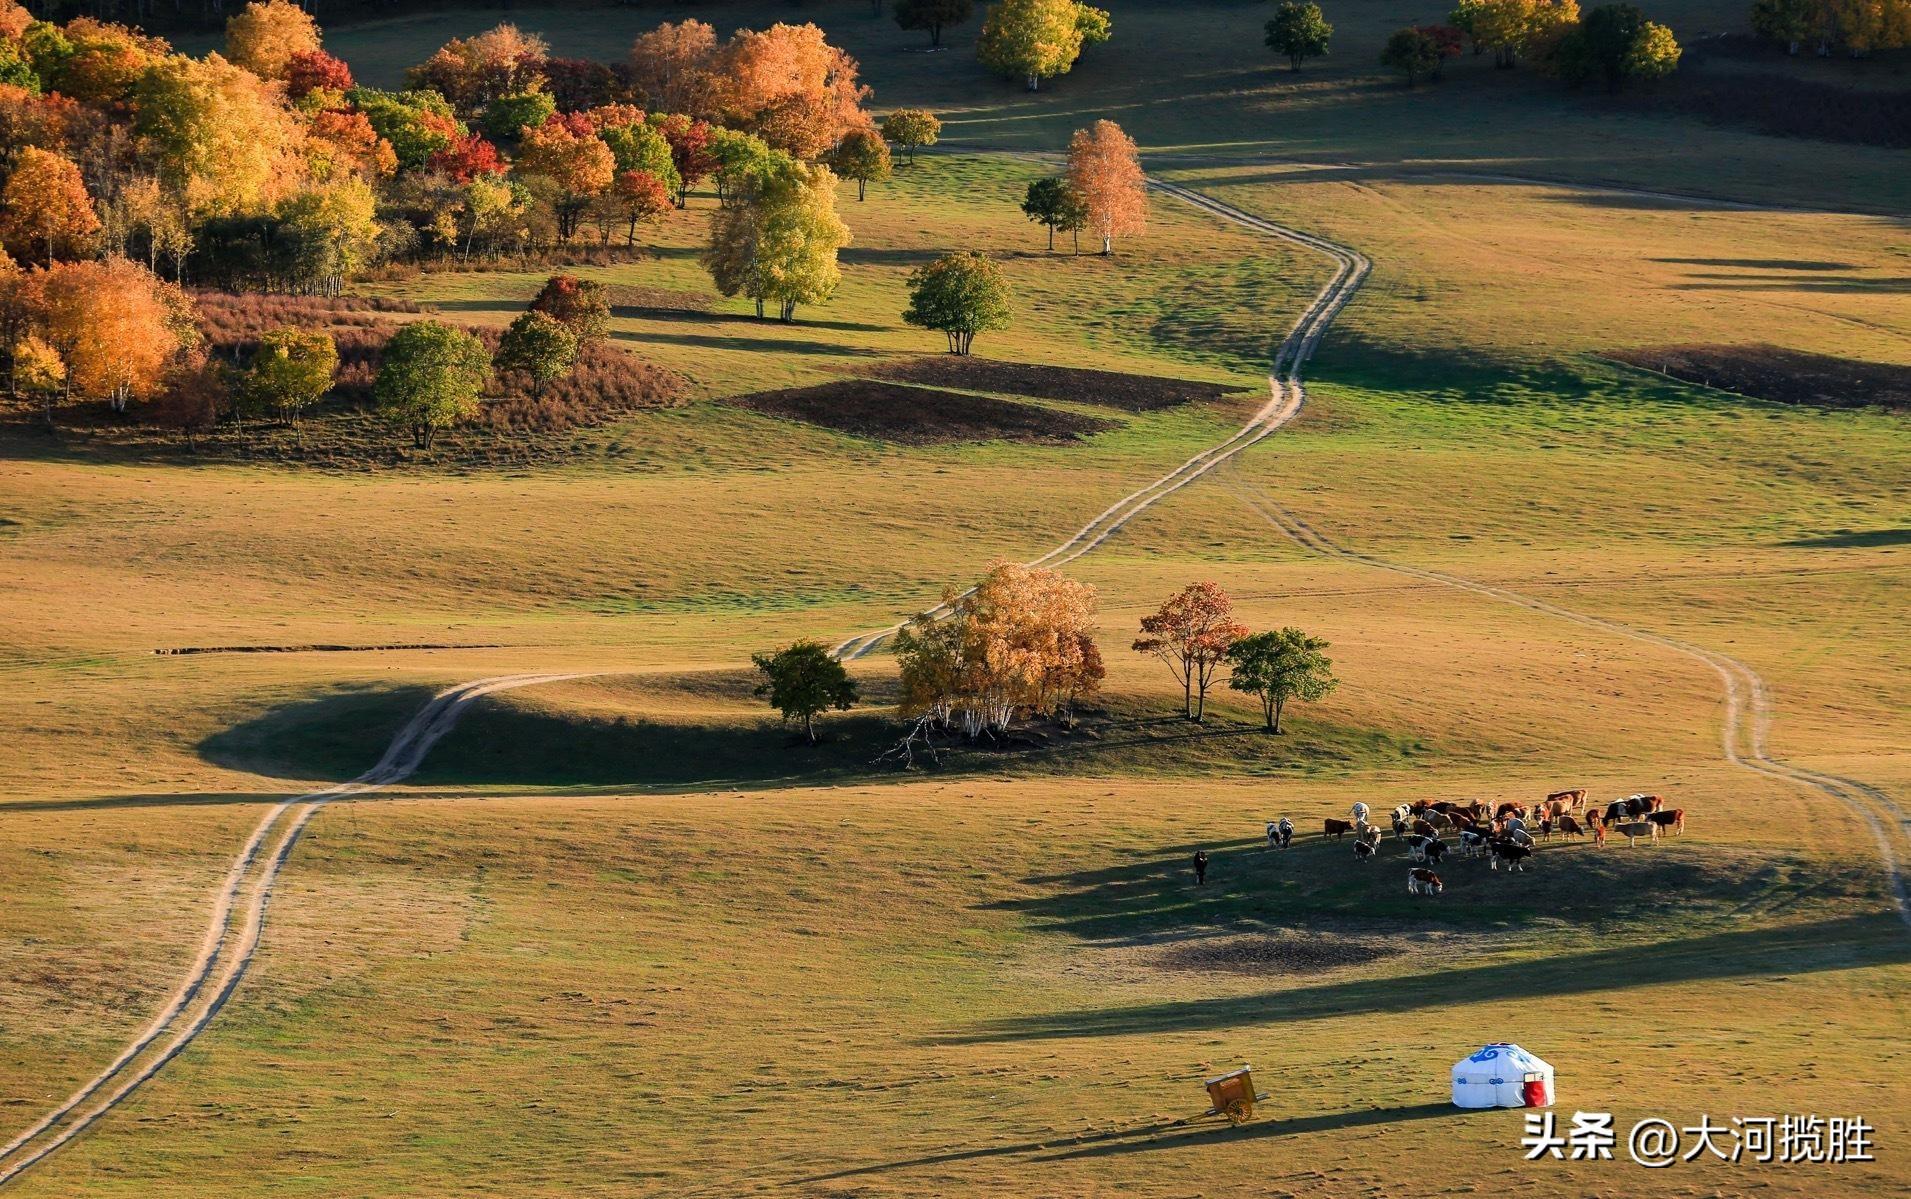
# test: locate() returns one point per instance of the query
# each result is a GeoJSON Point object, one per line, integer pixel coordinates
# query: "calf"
{"type": "Point", "coordinates": [1399, 827]}
{"type": "Point", "coordinates": [1336, 828]}
{"type": "Point", "coordinates": [1574, 799]}
{"type": "Point", "coordinates": [1512, 853]}
{"type": "Point", "coordinates": [1635, 829]}
{"type": "Point", "coordinates": [1421, 881]}
{"type": "Point", "coordinates": [1546, 829]}
{"type": "Point", "coordinates": [1673, 820]}
{"type": "Point", "coordinates": [1571, 827]}
{"type": "Point", "coordinates": [1598, 832]}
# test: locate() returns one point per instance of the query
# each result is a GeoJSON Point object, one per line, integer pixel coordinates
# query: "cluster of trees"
{"type": "Point", "coordinates": [1195, 633]}
{"type": "Point", "coordinates": [1103, 189]}
{"type": "Point", "coordinates": [1020, 642]}
{"type": "Point", "coordinates": [1856, 27]}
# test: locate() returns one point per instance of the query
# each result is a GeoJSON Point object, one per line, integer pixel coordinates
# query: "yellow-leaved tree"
{"type": "Point", "coordinates": [265, 35]}
{"type": "Point", "coordinates": [222, 137]}
{"type": "Point", "coordinates": [1033, 40]}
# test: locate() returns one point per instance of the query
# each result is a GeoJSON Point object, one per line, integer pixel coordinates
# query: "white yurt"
{"type": "Point", "coordinates": [1497, 1076]}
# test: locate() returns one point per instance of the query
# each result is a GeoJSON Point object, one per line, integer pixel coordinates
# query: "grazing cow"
{"type": "Point", "coordinates": [1673, 820]}
{"type": "Point", "coordinates": [1439, 820]}
{"type": "Point", "coordinates": [1471, 842]}
{"type": "Point", "coordinates": [1417, 847]}
{"type": "Point", "coordinates": [1512, 853]}
{"type": "Point", "coordinates": [1635, 829]}
{"type": "Point", "coordinates": [1422, 829]}
{"type": "Point", "coordinates": [1280, 834]}
{"type": "Point", "coordinates": [1421, 881]}
{"type": "Point", "coordinates": [1574, 799]}
{"type": "Point", "coordinates": [1571, 827]}
{"type": "Point", "coordinates": [1403, 813]}
{"type": "Point", "coordinates": [1399, 827]}
{"type": "Point", "coordinates": [1518, 836]}
{"type": "Point", "coordinates": [1336, 828]}
{"type": "Point", "coordinates": [1436, 851]}
{"type": "Point", "coordinates": [1363, 850]}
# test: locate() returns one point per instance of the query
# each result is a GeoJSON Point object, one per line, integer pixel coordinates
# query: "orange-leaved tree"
{"type": "Point", "coordinates": [1105, 172]}
{"type": "Point", "coordinates": [789, 86]}
{"type": "Point", "coordinates": [266, 34]}
{"type": "Point", "coordinates": [572, 167]}
{"type": "Point", "coordinates": [45, 213]}
{"type": "Point", "coordinates": [1191, 632]}
{"type": "Point", "coordinates": [116, 326]}
{"type": "Point", "coordinates": [674, 69]}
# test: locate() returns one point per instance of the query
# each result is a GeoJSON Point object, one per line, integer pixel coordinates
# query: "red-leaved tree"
{"type": "Point", "coordinates": [1191, 633]}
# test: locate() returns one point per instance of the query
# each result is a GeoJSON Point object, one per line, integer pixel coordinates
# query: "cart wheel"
{"type": "Point", "coordinates": [1238, 1111]}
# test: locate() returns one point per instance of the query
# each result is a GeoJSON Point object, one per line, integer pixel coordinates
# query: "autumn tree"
{"type": "Point", "coordinates": [1191, 632]}
{"type": "Point", "coordinates": [1022, 640]}
{"type": "Point", "coordinates": [1512, 28]}
{"type": "Point", "coordinates": [862, 155]}
{"type": "Point", "coordinates": [290, 371]}
{"type": "Point", "coordinates": [219, 135]}
{"type": "Point", "coordinates": [416, 124]}
{"type": "Point", "coordinates": [636, 145]}
{"type": "Point", "coordinates": [912, 128]}
{"type": "Point", "coordinates": [1054, 203]}
{"type": "Point", "coordinates": [933, 15]}
{"type": "Point", "coordinates": [583, 305]}
{"type": "Point", "coordinates": [802, 681]}
{"type": "Point", "coordinates": [471, 72]}
{"type": "Point", "coordinates": [45, 211]}
{"type": "Point", "coordinates": [38, 373]}
{"type": "Point", "coordinates": [1412, 52]}
{"type": "Point", "coordinates": [1299, 31]}
{"type": "Point", "coordinates": [574, 167]}
{"type": "Point", "coordinates": [739, 157]}
{"type": "Point", "coordinates": [430, 378]}
{"type": "Point", "coordinates": [466, 158]}
{"type": "Point", "coordinates": [1614, 42]}
{"type": "Point", "coordinates": [116, 327]}
{"type": "Point", "coordinates": [779, 240]}
{"type": "Point", "coordinates": [540, 348]}
{"type": "Point", "coordinates": [789, 86]}
{"type": "Point", "coordinates": [1104, 171]}
{"type": "Point", "coordinates": [674, 68]}
{"type": "Point", "coordinates": [1278, 667]}
{"type": "Point", "coordinates": [266, 35]}
{"type": "Point", "coordinates": [332, 231]}
{"type": "Point", "coordinates": [505, 117]}
{"type": "Point", "coordinates": [959, 295]}
{"type": "Point", "coordinates": [690, 151]}
{"type": "Point", "coordinates": [1033, 40]}
{"type": "Point", "coordinates": [308, 71]}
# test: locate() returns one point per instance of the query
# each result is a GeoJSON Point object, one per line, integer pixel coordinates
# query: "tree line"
{"type": "Point", "coordinates": [1020, 644]}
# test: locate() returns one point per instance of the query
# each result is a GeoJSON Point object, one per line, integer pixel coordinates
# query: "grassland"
{"type": "Point", "coordinates": [619, 938]}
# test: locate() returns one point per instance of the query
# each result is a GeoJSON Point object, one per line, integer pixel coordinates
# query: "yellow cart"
{"type": "Point", "coordinates": [1233, 1096]}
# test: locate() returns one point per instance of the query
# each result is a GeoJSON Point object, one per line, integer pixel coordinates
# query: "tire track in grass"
{"type": "Point", "coordinates": [237, 923]}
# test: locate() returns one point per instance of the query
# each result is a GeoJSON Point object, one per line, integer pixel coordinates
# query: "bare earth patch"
{"type": "Point", "coordinates": [1286, 952]}
{"type": "Point", "coordinates": [1110, 389]}
{"type": "Point", "coordinates": [919, 415]}
{"type": "Point", "coordinates": [1768, 372]}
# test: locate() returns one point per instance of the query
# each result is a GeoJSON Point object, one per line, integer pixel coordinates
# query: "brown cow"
{"type": "Point", "coordinates": [1570, 827]}
{"type": "Point", "coordinates": [1336, 828]}
{"type": "Point", "coordinates": [1509, 809]}
{"type": "Point", "coordinates": [1422, 828]}
{"type": "Point", "coordinates": [1574, 799]}
{"type": "Point", "coordinates": [1418, 806]}
{"type": "Point", "coordinates": [1673, 820]}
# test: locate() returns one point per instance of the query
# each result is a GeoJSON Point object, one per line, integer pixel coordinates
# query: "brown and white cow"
{"type": "Point", "coordinates": [1421, 881]}
{"type": "Point", "coordinates": [1573, 800]}
{"type": "Point", "coordinates": [1509, 809]}
{"type": "Point", "coordinates": [1673, 821]}
{"type": "Point", "coordinates": [1422, 828]}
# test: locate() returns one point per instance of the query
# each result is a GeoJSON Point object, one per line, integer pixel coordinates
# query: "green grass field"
{"type": "Point", "coordinates": [621, 937]}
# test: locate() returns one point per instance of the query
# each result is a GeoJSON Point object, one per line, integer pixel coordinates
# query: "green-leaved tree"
{"type": "Point", "coordinates": [959, 295]}
{"type": "Point", "coordinates": [291, 369]}
{"type": "Point", "coordinates": [542, 348]}
{"type": "Point", "coordinates": [802, 681]}
{"type": "Point", "coordinates": [1278, 667]}
{"type": "Point", "coordinates": [911, 128]}
{"type": "Point", "coordinates": [862, 155]}
{"type": "Point", "coordinates": [1033, 40]}
{"type": "Point", "coordinates": [430, 379]}
{"type": "Point", "coordinates": [1299, 31]}
{"type": "Point", "coordinates": [1054, 203]}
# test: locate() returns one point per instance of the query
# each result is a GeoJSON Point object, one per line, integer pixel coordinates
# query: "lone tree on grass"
{"type": "Point", "coordinates": [1104, 171]}
{"type": "Point", "coordinates": [932, 15]}
{"type": "Point", "coordinates": [1033, 40]}
{"type": "Point", "coordinates": [1054, 203]}
{"type": "Point", "coordinates": [541, 347]}
{"type": "Point", "coordinates": [1278, 667]}
{"type": "Point", "coordinates": [912, 127]}
{"type": "Point", "coordinates": [862, 155]}
{"type": "Point", "coordinates": [430, 379]}
{"type": "Point", "coordinates": [291, 369]}
{"type": "Point", "coordinates": [1299, 31]}
{"type": "Point", "coordinates": [1191, 633]}
{"type": "Point", "coordinates": [1413, 52]}
{"type": "Point", "coordinates": [802, 681]}
{"type": "Point", "coordinates": [961, 295]}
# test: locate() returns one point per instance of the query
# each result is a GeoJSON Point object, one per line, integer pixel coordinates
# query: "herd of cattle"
{"type": "Point", "coordinates": [1506, 834]}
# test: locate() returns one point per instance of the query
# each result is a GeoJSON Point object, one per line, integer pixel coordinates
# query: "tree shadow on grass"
{"type": "Point", "coordinates": [1852, 539]}
{"type": "Point", "coordinates": [1838, 943]}
{"type": "Point", "coordinates": [781, 345]}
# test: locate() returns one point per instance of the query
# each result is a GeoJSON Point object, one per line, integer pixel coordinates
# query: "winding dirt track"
{"type": "Point", "coordinates": [238, 919]}
{"type": "Point", "coordinates": [239, 905]}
